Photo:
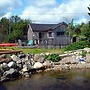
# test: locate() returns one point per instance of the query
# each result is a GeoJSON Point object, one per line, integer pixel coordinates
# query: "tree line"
{"type": "Point", "coordinates": [80, 30]}
{"type": "Point", "coordinates": [13, 28]}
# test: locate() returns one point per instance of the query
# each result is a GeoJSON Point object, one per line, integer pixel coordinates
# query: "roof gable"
{"type": "Point", "coordinates": [45, 27]}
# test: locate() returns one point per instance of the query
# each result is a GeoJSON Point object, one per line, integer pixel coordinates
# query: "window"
{"type": "Point", "coordinates": [40, 35]}
{"type": "Point", "coordinates": [50, 34]}
{"type": "Point", "coordinates": [60, 33]}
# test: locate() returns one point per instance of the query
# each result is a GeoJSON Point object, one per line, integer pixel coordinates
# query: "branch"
{"type": "Point", "coordinates": [88, 13]}
{"type": "Point", "coordinates": [89, 8]}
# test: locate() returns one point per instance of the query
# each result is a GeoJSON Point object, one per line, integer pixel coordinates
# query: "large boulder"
{"type": "Point", "coordinates": [87, 50]}
{"type": "Point", "coordinates": [11, 64]}
{"type": "Point", "coordinates": [38, 65]}
{"type": "Point", "coordinates": [11, 73]}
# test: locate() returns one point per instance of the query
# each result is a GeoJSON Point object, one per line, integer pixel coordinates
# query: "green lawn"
{"type": "Point", "coordinates": [37, 50]}
{"type": "Point", "coordinates": [34, 50]}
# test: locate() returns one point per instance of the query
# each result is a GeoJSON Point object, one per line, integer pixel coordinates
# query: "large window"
{"type": "Point", "coordinates": [60, 33]}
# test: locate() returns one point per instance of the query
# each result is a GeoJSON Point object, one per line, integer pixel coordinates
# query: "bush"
{"type": "Point", "coordinates": [84, 54]}
{"type": "Point", "coordinates": [77, 45]}
{"type": "Point", "coordinates": [53, 57]}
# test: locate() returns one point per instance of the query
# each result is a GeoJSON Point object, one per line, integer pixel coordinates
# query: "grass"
{"type": "Point", "coordinates": [36, 50]}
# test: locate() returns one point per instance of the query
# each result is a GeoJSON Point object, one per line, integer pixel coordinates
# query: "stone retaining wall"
{"type": "Point", "coordinates": [25, 64]}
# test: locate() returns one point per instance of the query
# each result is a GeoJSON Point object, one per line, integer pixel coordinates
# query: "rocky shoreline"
{"type": "Point", "coordinates": [23, 65]}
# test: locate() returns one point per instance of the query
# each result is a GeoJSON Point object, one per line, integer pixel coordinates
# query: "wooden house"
{"type": "Point", "coordinates": [48, 34]}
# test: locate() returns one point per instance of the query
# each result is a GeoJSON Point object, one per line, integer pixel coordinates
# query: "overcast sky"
{"type": "Point", "coordinates": [46, 11]}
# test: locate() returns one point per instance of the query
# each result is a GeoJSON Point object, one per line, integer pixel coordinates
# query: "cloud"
{"type": "Point", "coordinates": [41, 3]}
{"type": "Point", "coordinates": [45, 2]}
{"type": "Point", "coordinates": [48, 11]}
{"type": "Point", "coordinates": [8, 14]}
{"type": "Point", "coordinates": [7, 6]}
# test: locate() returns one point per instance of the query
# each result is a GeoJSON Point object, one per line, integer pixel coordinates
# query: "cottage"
{"type": "Point", "coordinates": [48, 34]}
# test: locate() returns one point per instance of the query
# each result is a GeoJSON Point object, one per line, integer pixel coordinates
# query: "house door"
{"type": "Point", "coordinates": [40, 35]}
{"type": "Point", "coordinates": [74, 39]}
{"type": "Point", "coordinates": [40, 38]}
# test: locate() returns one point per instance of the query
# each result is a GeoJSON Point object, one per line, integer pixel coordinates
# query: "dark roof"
{"type": "Point", "coordinates": [45, 27]}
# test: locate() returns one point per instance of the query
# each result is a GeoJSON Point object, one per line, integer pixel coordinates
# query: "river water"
{"type": "Point", "coordinates": [55, 80]}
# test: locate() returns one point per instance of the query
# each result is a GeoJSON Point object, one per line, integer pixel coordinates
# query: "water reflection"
{"type": "Point", "coordinates": [2, 87]}
{"type": "Point", "coordinates": [66, 80]}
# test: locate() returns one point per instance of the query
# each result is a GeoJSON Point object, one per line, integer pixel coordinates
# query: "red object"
{"type": "Point", "coordinates": [8, 44]}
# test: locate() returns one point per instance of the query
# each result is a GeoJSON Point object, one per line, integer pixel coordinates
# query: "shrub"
{"type": "Point", "coordinates": [77, 45]}
{"type": "Point", "coordinates": [53, 57]}
{"type": "Point", "coordinates": [84, 54]}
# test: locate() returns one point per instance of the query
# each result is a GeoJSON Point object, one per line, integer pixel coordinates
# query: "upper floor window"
{"type": "Point", "coordinates": [60, 33]}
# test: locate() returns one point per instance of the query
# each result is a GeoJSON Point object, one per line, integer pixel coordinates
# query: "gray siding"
{"type": "Point", "coordinates": [30, 33]}
{"type": "Point", "coordinates": [62, 40]}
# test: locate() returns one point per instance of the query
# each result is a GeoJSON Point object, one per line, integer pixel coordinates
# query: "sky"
{"type": "Point", "coordinates": [47, 11]}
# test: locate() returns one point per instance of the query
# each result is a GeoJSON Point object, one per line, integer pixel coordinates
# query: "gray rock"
{"type": "Point", "coordinates": [56, 63]}
{"type": "Point", "coordinates": [15, 58]}
{"type": "Point", "coordinates": [19, 66]}
{"type": "Point", "coordinates": [87, 58]}
{"type": "Point", "coordinates": [1, 72]}
{"type": "Point", "coordinates": [3, 56]}
{"type": "Point", "coordinates": [4, 78]}
{"type": "Point", "coordinates": [38, 58]}
{"type": "Point", "coordinates": [88, 66]}
{"type": "Point", "coordinates": [11, 64]}
{"type": "Point", "coordinates": [12, 73]}
{"type": "Point", "coordinates": [41, 59]}
{"type": "Point", "coordinates": [26, 59]}
{"type": "Point", "coordinates": [21, 56]}
{"type": "Point", "coordinates": [28, 62]}
{"type": "Point", "coordinates": [47, 64]}
{"type": "Point", "coordinates": [5, 66]}
{"type": "Point", "coordinates": [38, 65]}
{"type": "Point", "coordinates": [32, 61]}
{"type": "Point", "coordinates": [57, 67]}
{"type": "Point", "coordinates": [19, 61]}
{"type": "Point", "coordinates": [26, 74]}
{"type": "Point", "coordinates": [87, 50]}
{"type": "Point", "coordinates": [24, 69]}
{"type": "Point", "coordinates": [23, 60]}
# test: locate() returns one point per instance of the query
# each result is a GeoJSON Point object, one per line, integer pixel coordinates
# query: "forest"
{"type": "Point", "coordinates": [14, 28]}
